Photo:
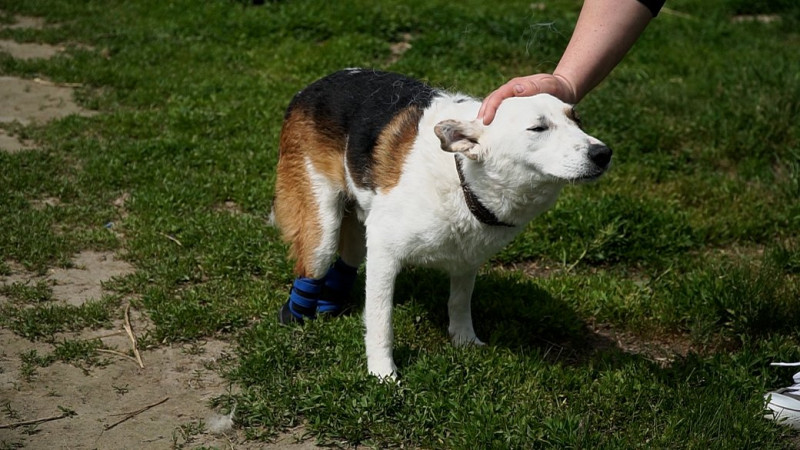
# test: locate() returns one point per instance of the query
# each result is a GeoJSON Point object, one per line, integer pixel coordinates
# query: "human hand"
{"type": "Point", "coordinates": [540, 83]}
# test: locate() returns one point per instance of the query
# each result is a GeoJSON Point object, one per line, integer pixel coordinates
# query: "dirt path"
{"type": "Point", "coordinates": [167, 400]}
{"type": "Point", "coordinates": [186, 376]}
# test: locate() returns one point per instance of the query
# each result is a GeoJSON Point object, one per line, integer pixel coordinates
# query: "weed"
{"type": "Point", "coordinates": [30, 430]}
{"type": "Point", "coordinates": [120, 390]}
{"type": "Point", "coordinates": [6, 445]}
{"type": "Point", "coordinates": [31, 360]}
{"type": "Point", "coordinates": [81, 353]}
{"type": "Point", "coordinates": [185, 434]}
{"type": "Point", "coordinates": [194, 348]}
{"type": "Point", "coordinates": [9, 411]}
{"type": "Point", "coordinates": [25, 293]}
{"type": "Point", "coordinates": [41, 321]}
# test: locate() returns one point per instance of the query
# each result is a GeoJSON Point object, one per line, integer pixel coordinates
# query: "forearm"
{"type": "Point", "coordinates": [605, 31]}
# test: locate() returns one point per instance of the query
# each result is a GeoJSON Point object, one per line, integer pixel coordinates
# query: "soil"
{"type": "Point", "coordinates": [35, 101]}
{"type": "Point", "coordinates": [167, 400]}
{"type": "Point", "coordinates": [28, 51]}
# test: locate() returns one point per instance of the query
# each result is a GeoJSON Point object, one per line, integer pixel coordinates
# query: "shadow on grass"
{"type": "Point", "coordinates": [509, 311]}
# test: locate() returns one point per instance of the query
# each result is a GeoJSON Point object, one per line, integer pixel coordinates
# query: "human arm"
{"type": "Point", "coordinates": [605, 31]}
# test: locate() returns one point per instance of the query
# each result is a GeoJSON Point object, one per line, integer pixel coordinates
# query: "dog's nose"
{"type": "Point", "coordinates": [600, 154]}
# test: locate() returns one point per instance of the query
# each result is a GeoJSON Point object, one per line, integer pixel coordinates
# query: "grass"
{"type": "Point", "coordinates": [44, 320]}
{"type": "Point", "coordinates": [691, 240]}
{"type": "Point", "coordinates": [80, 353]}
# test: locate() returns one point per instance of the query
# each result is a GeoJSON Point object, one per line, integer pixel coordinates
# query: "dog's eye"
{"type": "Point", "coordinates": [538, 128]}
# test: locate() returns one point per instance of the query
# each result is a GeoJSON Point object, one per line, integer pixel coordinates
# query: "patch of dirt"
{"type": "Point", "coordinates": [78, 284]}
{"type": "Point", "coordinates": [12, 144]}
{"type": "Point", "coordinates": [533, 269]}
{"type": "Point", "coordinates": [100, 396]}
{"type": "Point", "coordinates": [229, 207]}
{"type": "Point", "coordinates": [31, 101]}
{"type": "Point", "coordinates": [398, 49]}
{"type": "Point", "coordinates": [660, 350]}
{"type": "Point", "coordinates": [25, 22]}
{"type": "Point", "coordinates": [75, 286]}
{"type": "Point", "coordinates": [186, 376]}
{"type": "Point", "coordinates": [44, 203]}
{"type": "Point", "coordinates": [28, 50]}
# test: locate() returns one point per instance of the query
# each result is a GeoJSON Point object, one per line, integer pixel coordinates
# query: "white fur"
{"type": "Point", "coordinates": [329, 203]}
{"type": "Point", "coordinates": [516, 173]}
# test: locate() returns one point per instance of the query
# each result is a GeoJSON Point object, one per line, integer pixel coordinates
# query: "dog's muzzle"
{"type": "Point", "coordinates": [600, 155]}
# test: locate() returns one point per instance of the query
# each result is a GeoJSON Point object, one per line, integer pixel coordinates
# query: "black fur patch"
{"type": "Point", "coordinates": [356, 105]}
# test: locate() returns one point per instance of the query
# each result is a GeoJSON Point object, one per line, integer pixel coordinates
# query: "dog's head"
{"type": "Point", "coordinates": [538, 138]}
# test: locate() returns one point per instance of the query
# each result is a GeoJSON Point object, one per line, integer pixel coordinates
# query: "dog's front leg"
{"type": "Point", "coordinates": [382, 270]}
{"type": "Point", "coordinates": [460, 309]}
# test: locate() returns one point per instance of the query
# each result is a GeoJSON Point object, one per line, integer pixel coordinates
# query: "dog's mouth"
{"type": "Point", "coordinates": [593, 171]}
{"type": "Point", "coordinates": [590, 177]}
{"type": "Point", "coordinates": [580, 178]}
{"type": "Point", "coordinates": [582, 174]}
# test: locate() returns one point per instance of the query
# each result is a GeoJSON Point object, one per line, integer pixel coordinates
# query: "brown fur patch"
{"type": "Point", "coordinates": [296, 210]}
{"type": "Point", "coordinates": [573, 115]}
{"type": "Point", "coordinates": [392, 147]}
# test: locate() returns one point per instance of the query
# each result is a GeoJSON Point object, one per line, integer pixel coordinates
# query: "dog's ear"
{"type": "Point", "coordinates": [460, 137]}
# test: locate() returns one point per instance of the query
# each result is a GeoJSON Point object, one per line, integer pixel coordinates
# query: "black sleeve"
{"type": "Point", "coordinates": [653, 5]}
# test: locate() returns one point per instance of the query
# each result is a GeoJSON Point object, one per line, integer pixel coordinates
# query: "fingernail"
{"type": "Point", "coordinates": [518, 89]}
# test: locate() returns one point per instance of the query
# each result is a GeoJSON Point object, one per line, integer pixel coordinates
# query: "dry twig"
{"type": "Point", "coordinates": [109, 334]}
{"type": "Point", "coordinates": [132, 414]}
{"type": "Point", "coordinates": [171, 238]}
{"type": "Point", "coordinates": [120, 354]}
{"type": "Point", "coordinates": [128, 328]}
{"type": "Point", "coordinates": [63, 415]}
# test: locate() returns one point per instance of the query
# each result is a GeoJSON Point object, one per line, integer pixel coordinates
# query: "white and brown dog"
{"type": "Point", "coordinates": [379, 165]}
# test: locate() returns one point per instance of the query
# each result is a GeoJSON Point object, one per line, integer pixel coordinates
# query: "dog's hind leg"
{"type": "Point", "coordinates": [460, 309]}
{"type": "Point", "coordinates": [309, 203]}
{"type": "Point", "coordinates": [339, 280]}
{"type": "Point", "coordinates": [310, 214]}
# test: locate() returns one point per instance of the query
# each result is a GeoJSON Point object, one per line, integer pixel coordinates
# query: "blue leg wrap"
{"type": "Point", "coordinates": [303, 299]}
{"type": "Point", "coordinates": [336, 293]}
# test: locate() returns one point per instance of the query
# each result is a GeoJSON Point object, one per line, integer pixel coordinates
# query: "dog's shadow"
{"type": "Point", "coordinates": [508, 311]}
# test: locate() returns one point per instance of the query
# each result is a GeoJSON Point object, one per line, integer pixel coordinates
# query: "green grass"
{"type": "Point", "coordinates": [80, 353]}
{"type": "Point", "coordinates": [43, 321]}
{"type": "Point", "coordinates": [25, 293]}
{"type": "Point", "coordinates": [691, 239]}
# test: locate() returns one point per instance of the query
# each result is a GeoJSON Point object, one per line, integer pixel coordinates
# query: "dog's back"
{"type": "Point", "coordinates": [363, 113]}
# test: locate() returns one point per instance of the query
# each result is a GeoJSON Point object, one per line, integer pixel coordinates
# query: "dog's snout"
{"type": "Point", "coordinates": [600, 154]}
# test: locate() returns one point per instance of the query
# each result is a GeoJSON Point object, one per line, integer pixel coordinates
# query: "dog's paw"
{"type": "Point", "coordinates": [383, 370]}
{"type": "Point", "coordinates": [466, 339]}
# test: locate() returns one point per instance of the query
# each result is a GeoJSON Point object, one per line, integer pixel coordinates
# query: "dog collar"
{"type": "Point", "coordinates": [474, 204]}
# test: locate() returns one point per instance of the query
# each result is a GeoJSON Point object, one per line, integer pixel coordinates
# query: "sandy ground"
{"type": "Point", "coordinates": [28, 101]}
{"type": "Point", "coordinates": [176, 383]}
{"type": "Point", "coordinates": [167, 400]}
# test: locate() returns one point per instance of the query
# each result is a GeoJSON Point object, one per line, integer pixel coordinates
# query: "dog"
{"type": "Point", "coordinates": [379, 165]}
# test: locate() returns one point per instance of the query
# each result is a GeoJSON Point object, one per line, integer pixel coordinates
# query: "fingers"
{"type": "Point", "coordinates": [492, 102]}
{"type": "Point", "coordinates": [523, 87]}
